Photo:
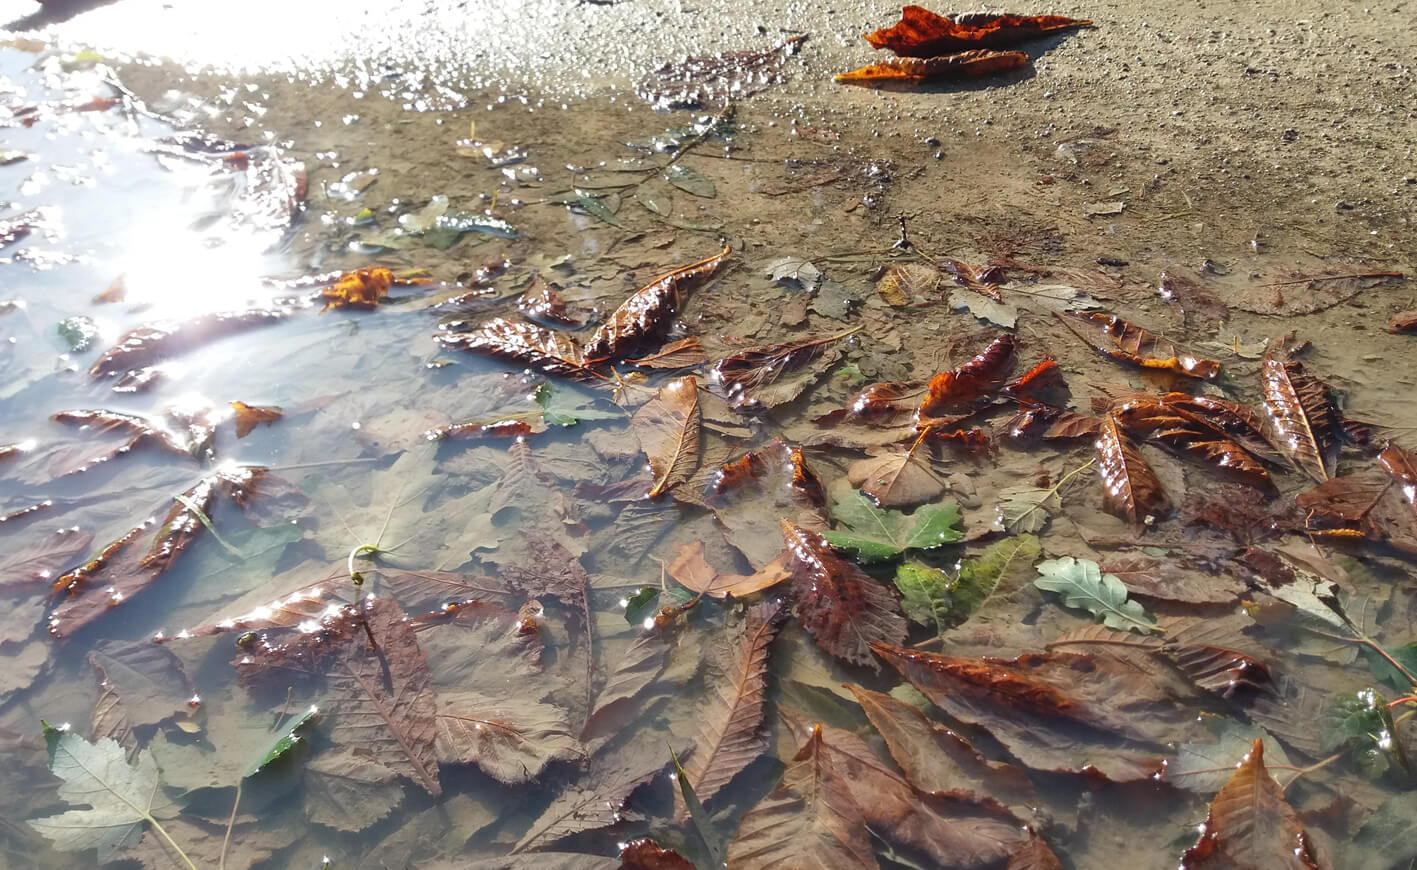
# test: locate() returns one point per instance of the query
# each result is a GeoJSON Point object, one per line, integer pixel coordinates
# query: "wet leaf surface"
{"type": "Point", "coordinates": [1305, 421]}
{"type": "Point", "coordinates": [1130, 489]}
{"type": "Point", "coordinates": [922, 33]}
{"type": "Point", "coordinates": [1125, 342]}
{"type": "Point", "coordinates": [964, 65]}
{"type": "Point", "coordinates": [647, 314]}
{"type": "Point", "coordinates": [873, 534]}
{"type": "Point", "coordinates": [667, 428]}
{"type": "Point", "coordinates": [1251, 825]}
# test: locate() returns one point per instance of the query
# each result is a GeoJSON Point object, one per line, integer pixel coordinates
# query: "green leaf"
{"type": "Point", "coordinates": [597, 207]}
{"type": "Point", "coordinates": [689, 181]}
{"type": "Point", "coordinates": [980, 576]}
{"type": "Point", "coordinates": [118, 796]}
{"type": "Point", "coordinates": [441, 238]}
{"type": "Point", "coordinates": [656, 201]}
{"type": "Point", "coordinates": [1027, 508]}
{"type": "Point", "coordinates": [1081, 583]}
{"type": "Point", "coordinates": [471, 222]}
{"type": "Point", "coordinates": [285, 741]}
{"type": "Point", "coordinates": [1360, 720]}
{"type": "Point", "coordinates": [1405, 655]}
{"type": "Point", "coordinates": [557, 410]}
{"type": "Point", "coordinates": [78, 332]}
{"type": "Point", "coordinates": [642, 605]}
{"type": "Point", "coordinates": [924, 594]}
{"type": "Point", "coordinates": [876, 535]}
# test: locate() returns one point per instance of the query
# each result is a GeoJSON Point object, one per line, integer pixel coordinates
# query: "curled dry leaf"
{"type": "Point", "coordinates": [690, 568]}
{"type": "Point", "coordinates": [756, 378]}
{"type": "Point", "coordinates": [648, 312]}
{"type": "Point", "coordinates": [840, 606]}
{"type": "Point", "coordinates": [1251, 826]}
{"type": "Point", "coordinates": [959, 391]}
{"type": "Point", "coordinates": [142, 347]}
{"type": "Point", "coordinates": [922, 33]}
{"type": "Point", "coordinates": [1124, 342]}
{"type": "Point", "coordinates": [522, 342]}
{"type": "Point", "coordinates": [1305, 420]}
{"type": "Point", "coordinates": [667, 428]}
{"type": "Point", "coordinates": [964, 65]}
{"type": "Point", "coordinates": [248, 417]}
{"type": "Point", "coordinates": [1130, 488]}
{"type": "Point", "coordinates": [1187, 437]}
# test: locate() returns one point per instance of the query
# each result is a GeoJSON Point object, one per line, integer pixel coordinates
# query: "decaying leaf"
{"type": "Point", "coordinates": [667, 428]}
{"type": "Point", "coordinates": [922, 33]}
{"type": "Point", "coordinates": [1240, 423]}
{"type": "Point", "coordinates": [1124, 342]}
{"type": "Point", "coordinates": [362, 288]}
{"type": "Point", "coordinates": [650, 310]}
{"type": "Point", "coordinates": [41, 560]}
{"type": "Point", "coordinates": [511, 739]}
{"type": "Point", "coordinates": [142, 347]}
{"type": "Point", "coordinates": [908, 284]}
{"type": "Point", "coordinates": [965, 64]}
{"type": "Point", "coordinates": [958, 391]}
{"type": "Point", "coordinates": [1251, 826]}
{"type": "Point", "coordinates": [681, 354]}
{"type": "Point", "coordinates": [1304, 418]}
{"type": "Point", "coordinates": [1186, 436]}
{"type": "Point", "coordinates": [1403, 322]}
{"type": "Point", "coordinates": [522, 342]}
{"type": "Point", "coordinates": [248, 417]}
{"type": "Point", "coordinates": [692, 570]}
{"type": "Point", "coordinates": [840, 606]}
{"type": "Point", "coordinates": [899, 479]}
{"type": "Point", "coordinates": [599, 804]}
{"type": "Point", "coordinates": [146, 679]}
{"type": "Point", "coordinates": [1366, 504]}
{"type": "Point", "coordinates": [1130, 488]}
{"type": "Point", "coordinates": [765, 377]}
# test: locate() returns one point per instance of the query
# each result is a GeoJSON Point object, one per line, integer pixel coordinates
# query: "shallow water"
{"type": "Point", "coordinates": [355, 487]}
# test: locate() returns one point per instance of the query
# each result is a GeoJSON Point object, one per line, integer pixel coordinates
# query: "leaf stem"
{"type": "Point", "coordinates": [230, 823]}
{"type": "Point", "coordinates": [1319, 765]}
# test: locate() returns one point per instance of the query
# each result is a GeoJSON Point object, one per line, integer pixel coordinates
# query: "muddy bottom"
{"type": "Point", "coordinates": [975, 498]}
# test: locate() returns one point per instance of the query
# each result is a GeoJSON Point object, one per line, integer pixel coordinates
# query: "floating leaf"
{"type": "Point", "coordinates": [840, 606]}
{"type": "Point", "coordinates": [689, 181]}
{"type": "Point", "coordinates": [922, 33]}
{"type": "Point", "coordinates": [285, 742]}
{"type": "Point", "coordinates": [248, 417]}
{"type": "Point", "coordinates": [119, 797]}
{"type": "Point", "coordinates": [1082, 584]}
{"type": "Point", "coordinates": [1124, 342]}
{"type": "Point", "coordinates": [649, 310]}
{"type": "Point", "coordinates": [1305, 420]}
{"type": "Point", "coordinates": [517, 341]}
{"type": "Point", "coordinates": [1129, 486]}
{"type": "Point", "coordinates": [667, 428]}
{"type": "Point", "coordinates": [963, 65]}
{"type": "Point", "coordinates": [875, 535]}
{"type": "Point", "coordinates": [1250, 825]}
{"type": "Point", "coordinates": [760, 377]}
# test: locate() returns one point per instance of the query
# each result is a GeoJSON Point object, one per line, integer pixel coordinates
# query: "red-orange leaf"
{"type": "Point", "coordinates": [1240, 423]}
{"type": "Point", "coordinates": [885, 404]}
{"type": "Point", "coordinates": [922, 33]}
{"type": "Point", "coordinates": [667, 428]}
{"type": "Point", "coordinates": [646, 854]}
{"type": "Point", "coordinates": [958, 391]}
{"type": "Point", "coordinates": [1305, 420]}
{"type": "Point", "coordinates": [1251, 826]}
{"type": "Point", "coordinates": [477, 429]}
{"type": "Point", "coordinates": [1129, 486]}
{"type": "Point", "coordinates": [1403, 321]}
{"type": "Point", "coordinates": [362, 288]}
{"type": "Point", "coordinates": [522, 342]}
{"type": "Point", "coordinates": [1041, 384]}
{"type": "Point", "coordinates": [966, 64]}
{"type": "Point", "coordinates": [839, 605]}
{"type": "Point", "coordinates": [248, 417]}
{"type": "Point", "coordinates": [1124, 342]}
{"type": "Point", "coordinates": [649, 311]}
{"type": "Point", "coordinates": [1188, 437]}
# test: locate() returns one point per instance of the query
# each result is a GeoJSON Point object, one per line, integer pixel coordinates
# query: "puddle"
{"type": "Point", "coordinates": [484, 648]}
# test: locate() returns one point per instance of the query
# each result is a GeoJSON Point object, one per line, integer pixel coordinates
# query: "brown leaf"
{"type": "Point", "coordinates": [1403, 322]}
{"type": "Point", "coordinates": [730, 734]}
{"type": "Point", "coordinates": [1402, 465]}
{"type": "Point", "coordinates": [1054, 711]}
{"type": "Point", "coordinates": [887, 404]}
{"type": "Point", "coordinates": [41, 560]}
{"type": "Point", "coordinates": [1034, 855]}
{"type": "Point", "coordinates": [922, 33]}
{"type": "Point", "coordinates": [681, 354]}
{"type": "Point", "coordinates": [512, 738]}
{"type": "Point", "coordinates": [147, 680]}
{"type": "Point", "coordinates": [541, 304]}
{"type": "Point", "coordinates": [909, 284]}
{"type": "Point", "coordinates": [1043, 384]}
{"type": "Point", "coordinates": [692, 570]}
{"type": "Point", "coordinates": [1124, 342]}
{"type": "Point", "coordinates": [1305, 421]}
{"type": "Point", "coordinates": [646, 854]}
{"type": "Point", "coordinates": [641, 665]}
{"type": "Point", "coordinates": [1189, 437]}
{"type": "Point", "coordinates": [248, 417]}
{"type": "Point", "coordinates": [936, 759]}
{"type": "Point", "coordinates": [1129, 486]}
{"type": "Point", "coordinates": [142, 347]}
{"type": "Point", "coordinates": [1240, 423]}
{"type": "Point", "coordinates": [757, 378]}
{"type": "Point", "coordinates": [139, 431]}
{"type": "Point", "coordinates": [959, 391]}
{"type": "Point", "coordinates": [964, 65]}
{"type": "Point", "coordinates": [1366, 504]}
{"type": "Point", "coordinates": [598, 800]}
{"type": "Point", "coordinates": [1251, 826]}
{"type": "Point", "coordinates": [667, 428]}
{"type": "Point", "coordinates": [647, 314]}
{"type": "Point", "coordinates": [896, 479]}
{"type": "Point", "coordinates": [839, 605]}
{"type": "Point", "coordinates": [760, 488]}
{"type": "Point", "coordinates": [1146, 577]}
{"type": "Point", "coordinates": [812, 819]}
{"type": "Point", "coordinates": [522, 342]}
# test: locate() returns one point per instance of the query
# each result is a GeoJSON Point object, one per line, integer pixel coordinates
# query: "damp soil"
{"type": "Point", "coordinates": [1190, 171]}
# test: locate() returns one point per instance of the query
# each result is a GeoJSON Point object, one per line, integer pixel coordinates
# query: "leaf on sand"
{"type": "Point", "coordinates": [730, 734]}
{"type": "Point", "coordinates": [690, 568]}
{"type": "Point", "coordinates": [521, 342]}
{"type": "Point", "coordinates": [1250, 825]}
{"type": "Point", "coordinates": [1188, 437]}
{"type": "Point", "coordinates": [146, 345]}
{"type": "Point", "coordinates": [875, 535]}
{"type": "Point", "coordinates": [907, 284]}
{"type": "Point", "coordinates": [840, 606]}
{"type": "Point", "coordinates": [963, 65]}
{"type": "Point", "coordinates": [898, 479]}
{"type": "Point", "coordinates": [959, 391]}
{"type": "Point", "coordinates": [511, 739]}
{"type": "Point", "coordinates": [41, 560]}
{"type": "Point", "coordinates": [667, 428]}
{"type": "Point", "coordinates": [772, 375]}
{"type": "Point", "coordinates": [1082, 584]}
{"type": "Point", "coordinates": [922, 33]}
{"type": "Point", "coordinates": [1124, 342]}
{"type": "Point", "coordinates": [597, 803]}
{"type": "Point", "coordinates": [248, 417]}
{"type": "Point", "coordinates": [1305, 420]}
{"type": "Point", "coordinates": [1130, 488]}
{"type": "Point", "coordinates": [119, 796]}
{"type": "Point", "coordinates": [649, 310]}
{"type": "Point", "coordinates": [1054, 711]}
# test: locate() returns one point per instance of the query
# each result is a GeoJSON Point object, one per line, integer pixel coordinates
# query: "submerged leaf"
{"type": "Point", "coordinates": [649, 310]}
{"type": "Point", "coordinates": [521, 342]}
{"type": "Point", "coordinates": [667, 428]}
{"type": "Point", "coordinates": [248, 417]}
{"type": "Point", "coordinates": [692, 569]}
{"type": "Point", "coordinates": [922, 33]}
{"type": "Point", "coordinates": [1082, 584]}
{"type": "Point", "coordinates": [1130, 488]}
{"type": "Point", "coordinates": [599, 803]}
{"type": "Point", "coordinates": [1124, 342]}
{"type": "Point", "coordinates": [285, 742]}
{"type": "Point", "coordinates": [42, 559]}
{"type": "Point", "coordinates": [758, 377]}
{"type": "Point", "coordinates": [898, 479]}
{"type": "Point", "coordinates": [959, 391]}
{"type": "Point", "coordinates": [1251, 826]}
{"type": "Point", "coordinates": [1304, 418]}
{"type": "Point", "coordinates": [142, 347]}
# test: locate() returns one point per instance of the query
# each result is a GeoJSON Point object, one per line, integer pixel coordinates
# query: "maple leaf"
{"type": "Point", "coordinates": [875, 535]}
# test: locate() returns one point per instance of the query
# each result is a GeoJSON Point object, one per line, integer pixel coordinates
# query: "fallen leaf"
{"type": "Point", "coordinates": [248, 417]}
{"type": "Point", "coordinates": [667, 428]}
{"type": "Point", "coordinates": [691, 569]}
{"type": "Point", "coordinates": [681, 354]}
{"type": "Point", "coordinates": [965, 64]}
{"type": "Point", "coordinates": [1082, 584]}
{"type": "Point", "coordinates": [521, 342]}
{"type": "Point", "coordinates": [717, 79]}
{"type": "Point", "coordinates": [41, 560]}
{"type": "Point", "coordinates": [958, 391]}
{"type": "Point", "coordinates": [1366, 504]}
{"type": "Point", "coordinates": [649, 311]}
{"type": "Point", "coordinates": [907, 284]}
{"type": "Point", "coordinates": [512, 739]}
{"type": "Point", "coordinates": [1186, 436]}
{"type": "Point", "coordinates": [922, 33]}
{"type": "Point", "coordinates": [874, 535]}
{"type": "Point", "coordinates": [1130, 488]}
{"type": "Point", "coordinates": [1305, 420]}
{"type": "Point", "coordinates": [898, 479]}
{"type": "Point", "coordinates": [646, 854]}
{"type": "Point", "coordinates": [597, 801]}
{"type": "Point", "coordinates": [1124, 342]}
{"type": "Point", "coordinates": [1240, 423]}
{"type": "Point", "coordinates": [763, 377]}
{"type": "Point", "coordinates": [361, 288]}
{"type": "Point", "coordinates": [1403, 322]}
{"type": "Point", "coordinates": [146, 679]}
{"type": "Point", "coordinates": [1152, 578]}
{"type": "Point", "coordinates": [144, 346]}
{"type": "Point", "coordinates": [1250, 825]}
